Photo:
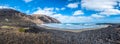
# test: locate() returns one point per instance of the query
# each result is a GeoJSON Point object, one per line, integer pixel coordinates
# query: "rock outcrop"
{"type": "Point", "coordinates": [15, 17]}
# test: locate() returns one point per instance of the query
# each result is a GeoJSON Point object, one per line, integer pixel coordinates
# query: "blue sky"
{"type": "Point", "coordinates": [69, 11]}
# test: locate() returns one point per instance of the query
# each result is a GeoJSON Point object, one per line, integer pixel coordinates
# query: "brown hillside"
{"type": "Point", "coordinates": [10, 17]}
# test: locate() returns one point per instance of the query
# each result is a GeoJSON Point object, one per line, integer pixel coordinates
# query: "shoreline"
{"type": "Point", "coordinates": [71, 30]}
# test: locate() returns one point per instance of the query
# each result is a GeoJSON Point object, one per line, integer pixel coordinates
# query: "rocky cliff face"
{"type": "Point", "coordinates": [15, 17]}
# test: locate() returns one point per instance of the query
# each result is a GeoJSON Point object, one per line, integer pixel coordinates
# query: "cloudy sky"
{"type": "Point", "coordinates": [69, 11]}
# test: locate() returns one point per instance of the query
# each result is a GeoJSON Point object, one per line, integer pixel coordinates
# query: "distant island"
{"type": "Point", "coordinates": [19, 28]}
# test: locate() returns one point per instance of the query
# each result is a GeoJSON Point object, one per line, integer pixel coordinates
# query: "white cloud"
{"type": "Point", "coordinates": [105, 7]}
{"type": "Point", "coordinates": [63, 8]}
{"type": "Point", "coordinates": [72, 19]}
{"type": "Point", "coordinates": [72, 5]}
{"type": "Point", "coordinates": [48, 9]}
{"type": "Point", "coordinates": [1, 7]}
{"type": "Point", "coordinates": [119, 4]}
{"type": "Point", "coordinates": [98, 5]}
{"type": "Point", "coordinates": [27, 1]}
{"type": "Point", "coordinates": [45, 11]}
{"type": "Point", "coordinates": [78, 12]}
{"type": "Point", "coordinates": [28, 11]}
{"type": "Point", "coordinates": [60, 9]}
{"type": "Point", "coordinates": [97, 16]}
{"type": "Point", "coordinates": [110, 12]}
{"type": "Point", "coordinates": [57, 9]}
{"type": "Point", "coordinates": [8, 7]}
{"type": "Point", "coordinates": [62, 18]}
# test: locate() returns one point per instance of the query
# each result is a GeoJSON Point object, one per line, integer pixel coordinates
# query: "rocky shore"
{"type": "Point", "coordinates": [40, 35]}
{"type": "Point", "coordinates": [108, 35]}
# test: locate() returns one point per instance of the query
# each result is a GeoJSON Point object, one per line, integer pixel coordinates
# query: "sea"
{"type": "Point", "coordinates": [74, 25]}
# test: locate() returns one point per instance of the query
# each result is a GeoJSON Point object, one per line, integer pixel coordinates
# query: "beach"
{"type": "Point", "coordinates": [71, 30]}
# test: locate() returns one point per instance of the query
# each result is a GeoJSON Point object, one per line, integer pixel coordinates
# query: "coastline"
{"type": "Point", "coordinates": [21, 29]}
{"type": "Point", "coordinates": [110, 35]}
{"type": "Point", "coordinates": [71, 30]}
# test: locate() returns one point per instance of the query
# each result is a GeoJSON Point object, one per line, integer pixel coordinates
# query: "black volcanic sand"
{"type": "Point", "coordinates": [109, 35]}
{"type": "Point", "coordinates": [40, 35]}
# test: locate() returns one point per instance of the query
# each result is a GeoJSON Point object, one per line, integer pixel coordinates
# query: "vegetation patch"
{"type": "Point", "coordinates": [6, 27]}
{"type": "Point", "coordinates": [23, 29]}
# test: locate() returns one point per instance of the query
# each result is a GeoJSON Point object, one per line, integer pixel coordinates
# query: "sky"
{"type": "Point", "coordinates": [69, 11]}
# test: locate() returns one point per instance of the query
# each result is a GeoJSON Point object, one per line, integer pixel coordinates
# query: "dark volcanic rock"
{"type": "Point", "coordinates": [109, 35]}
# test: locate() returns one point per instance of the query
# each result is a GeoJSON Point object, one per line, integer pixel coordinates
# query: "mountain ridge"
{"type": "Point", "coordinates": [13, 16]}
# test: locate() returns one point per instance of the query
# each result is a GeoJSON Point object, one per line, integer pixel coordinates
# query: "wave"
{"type": "Point", "coordinates": [74, 25]}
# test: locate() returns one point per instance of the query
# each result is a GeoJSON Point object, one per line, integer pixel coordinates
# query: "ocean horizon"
{"type": "Point", "coordinates": [74, 25]}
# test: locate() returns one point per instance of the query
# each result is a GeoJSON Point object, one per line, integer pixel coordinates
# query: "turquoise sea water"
{"type": "Point", "coordinates": [74, 25]}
